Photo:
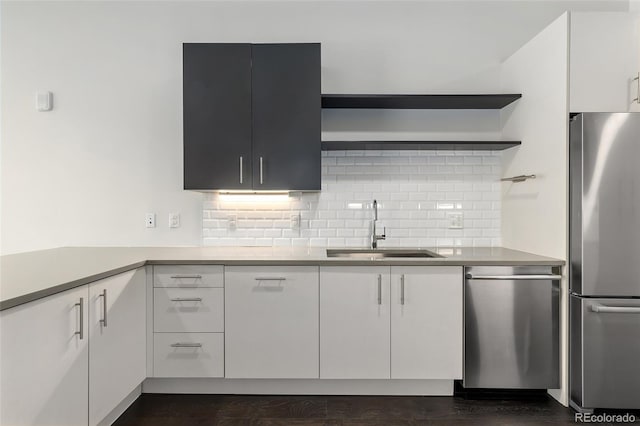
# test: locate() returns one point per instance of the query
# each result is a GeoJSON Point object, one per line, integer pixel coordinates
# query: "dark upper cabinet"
{"type": "Point", "coordinates": [286, 104]}
{"type": "Point", "coordinates": [217, 116]}
{"type": "Point", "coordinates": [252, 116]}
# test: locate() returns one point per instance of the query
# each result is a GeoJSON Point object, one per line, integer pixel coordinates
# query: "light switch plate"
{"type": "Point", "coordinates": [44, 101]}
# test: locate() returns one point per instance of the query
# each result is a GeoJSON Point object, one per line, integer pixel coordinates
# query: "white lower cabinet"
{"type": "Point", "coordinates": [354, 322]}
{"type": "Point", "coordinates": [426, 322]}
{"type": "Point", "coordinates": [271, 322]}
{"type": "Point", "coordinates": [117, 333]}
{"type": "Point", "coordinates": [275, 322]}
{"type": "Point", "coordinates": [194, 310]}
{"type": "Point", "coordinates": [188, 276]}
{"type": "Point", "coordinates": [391, 322]}
{"type": "Point", "coordinates": [44, 365]}
{"type": "Point", "coordinates": [71, 358]}
{"type": "Point", "coordinates": [188, 355]}
{"type": "Point", "coordinates": [188, 321]}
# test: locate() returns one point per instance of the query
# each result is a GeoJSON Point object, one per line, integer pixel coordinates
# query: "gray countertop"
{"type": "Point", "coordinates": [26, 277]}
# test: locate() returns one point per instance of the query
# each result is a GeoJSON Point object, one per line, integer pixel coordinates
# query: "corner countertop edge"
{"type": "Point", "coordinates": [50, 291]}
{"type": "Point", "coordinates": [104, 262]}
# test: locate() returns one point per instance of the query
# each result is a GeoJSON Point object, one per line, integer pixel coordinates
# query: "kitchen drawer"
{"type": "Point", "coordinates": [188, 355]}
{"type": "Point", "coordinates": [188, 276]}
{"type": "Point", "coordinates": [178, 310]}
{"type": "Point", "coordinates": [606, 371]}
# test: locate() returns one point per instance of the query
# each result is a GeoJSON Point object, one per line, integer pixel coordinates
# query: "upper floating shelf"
{"type": "Point", "coordinates": [495, 101]}
{"type": "Point", "coordinates": [418, 145]}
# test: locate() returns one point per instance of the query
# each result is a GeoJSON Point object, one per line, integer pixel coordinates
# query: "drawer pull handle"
{"type": "Point", "coordinates": [187, 299]}
{"type": "Point", "coordinates": [177, 277]}
{"type": "Point", "coordinates": [271, 279]}
{"type": "Point", "coordinates": [402, 289]}
{"type": "Point", "coordinates": [379, 289]}
{"type": "Point", "coordinates": [186, 345]}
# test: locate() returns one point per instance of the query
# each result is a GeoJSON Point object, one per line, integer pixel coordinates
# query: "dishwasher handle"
{"type": "Point", "coordinates": [514, 277]}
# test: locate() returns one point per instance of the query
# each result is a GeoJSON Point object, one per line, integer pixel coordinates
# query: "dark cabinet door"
{"type": "Point", "coordinates": [217, 116]}
{"type": "Point", "coordinates": [286, 106]}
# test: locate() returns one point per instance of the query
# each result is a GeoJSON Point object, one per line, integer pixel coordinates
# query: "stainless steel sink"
{"type": "Point", "coordinates": [381, 253]}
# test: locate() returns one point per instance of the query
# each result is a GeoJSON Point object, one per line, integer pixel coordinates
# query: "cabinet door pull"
{"type": "Point", "coordinates": [187, 299]}
{"type": "Point", "coordinates": [270, 279]}
{"type": "Point", "coordinates": [186, 345]}
{"type": "Point", "coordinates": [241, 170]}
{"type": "Point", "coordinates": [379, 289]}
{"type": "Point", "coordinates": [177, 277]}
{"type": "Point", "coordinates": [637, 80]}
{"type": "Point", "coordinates": [402, 289]}
{"type": "Point", "coordinates": [80, 332]}
{"type": "Point", "coordinates": [261, 180]}
{"type": "Point", "coordinates": [104, 307]}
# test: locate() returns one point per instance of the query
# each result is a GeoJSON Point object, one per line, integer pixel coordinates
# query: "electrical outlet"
{"type": "Point", "coordinates": [174, 220]}
{"type": "Point", "coordinates": [232, 222]}
{"type": "Point", "coordinates": [295, 221]}
{"type": "Point", "coordinates": [455, 220]}
{"type": "Point", "coordinates": [150, 220]}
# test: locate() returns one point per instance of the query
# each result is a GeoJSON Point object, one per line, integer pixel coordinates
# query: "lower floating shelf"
{"type": "Point", "coordinates": [419, 145]}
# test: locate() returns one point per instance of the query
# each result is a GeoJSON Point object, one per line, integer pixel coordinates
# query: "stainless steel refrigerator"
{"type": "Point", "coordinates": [604, 251]}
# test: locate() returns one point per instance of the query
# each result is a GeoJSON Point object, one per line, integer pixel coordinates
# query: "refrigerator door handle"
{"type": "Point", "coordinates": [598, 308]}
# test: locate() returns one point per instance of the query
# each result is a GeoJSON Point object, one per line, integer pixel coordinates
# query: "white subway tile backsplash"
{"type": "Point", "coordinates": [414, 189]}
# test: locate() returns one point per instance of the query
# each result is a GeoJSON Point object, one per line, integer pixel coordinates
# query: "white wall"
{"type": "Point", "coordinates": [534, 213]}
{"type": "Point", "coordinates": [87, 172]}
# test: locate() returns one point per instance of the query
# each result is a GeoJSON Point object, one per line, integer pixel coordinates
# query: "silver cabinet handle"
{"type": "Point", "coordinates": [177, 277]}
{"type": "Point", "coordinates": [379, 289]}
{"type": "Point", "coordinates": [615, 309]}
{"type": "Point", "coordinates": [104, 307]}
{"type": "Point", "coordinates": [261, 180]}
{"type": "Point", "coordinates": [513, 277]}
{"type": "Point", "coordinates": [241, 169]}
{"type": "Point", "coordinates": [80, 332]}
{"type": "Point", "coordinates": [637, 99]}
{"type": "Point", "coordinates": [270, 279]}
{"type": "Point", "coordinates": [402, 289]}
{"type": "Point", "coordinates": [186, 345]}
{"type": "Point", "coordinates": [187, 299]}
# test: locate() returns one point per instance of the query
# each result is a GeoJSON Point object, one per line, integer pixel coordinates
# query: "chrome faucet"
{"type": "Point", "coordinates": [374, 236]}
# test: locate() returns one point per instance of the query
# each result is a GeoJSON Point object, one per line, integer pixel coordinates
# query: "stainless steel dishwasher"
{"type": "Point", "coordinates": [511, 327]}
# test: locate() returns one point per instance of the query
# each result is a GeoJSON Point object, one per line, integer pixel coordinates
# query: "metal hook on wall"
{"type": "Point", "coordinates": [517, 179]}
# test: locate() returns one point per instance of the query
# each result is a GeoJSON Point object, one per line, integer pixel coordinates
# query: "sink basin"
{"type": "Point", "coordinates": [381, 253]}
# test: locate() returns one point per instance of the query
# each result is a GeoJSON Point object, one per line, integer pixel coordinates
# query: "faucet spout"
{"type": "Point", "coordinates": [374, 235]}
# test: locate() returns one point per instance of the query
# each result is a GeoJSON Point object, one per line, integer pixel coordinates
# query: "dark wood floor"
{"type": "Point", "coordinates": [196, 410]}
